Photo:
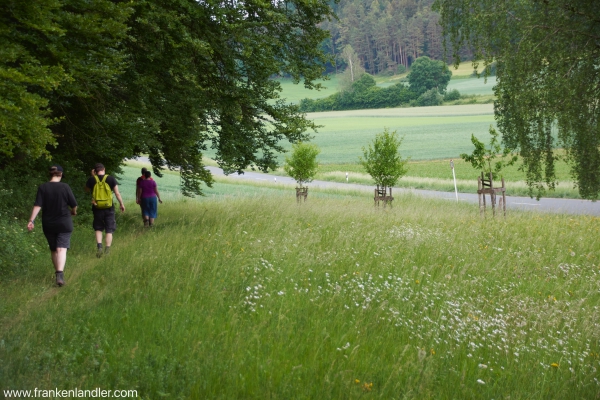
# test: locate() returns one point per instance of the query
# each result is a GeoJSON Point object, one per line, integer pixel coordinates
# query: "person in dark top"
{"type": "Point", "coordinates": [104, 219]}
{"type": "Point", "coordinates": [148, 194]}
{"type": "Point", "coordinates": [58, 204]}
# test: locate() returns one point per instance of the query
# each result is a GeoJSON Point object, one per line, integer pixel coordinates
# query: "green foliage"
{"type": "Point", "coordinates": [430, 98]}
{"type": "Point", "coordinates": [452, 95]}
{"type": "Point", "coordinates": [547, 91]}
{"type": "Point", "coordinates": [484, 159]}
{"type": "Point", "coordinates": [302, 164]}
{"type": "Point", "coordinates": [19, 249]}
{"type": "Point", "coordinates": [382, 160]}
{"type": "Point", "coordinates": [363, 95]}
{"type": "Point", "coordinates": [426, 74]}
{"type": "Point", "coordinates": [401, 69]}
{"type": "Point", "coordinates": [107, 80]}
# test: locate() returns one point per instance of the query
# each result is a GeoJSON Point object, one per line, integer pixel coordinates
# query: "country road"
{"type": "Point", "coordinates": [568, 206]}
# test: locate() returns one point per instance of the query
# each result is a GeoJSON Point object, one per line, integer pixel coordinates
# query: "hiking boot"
{"type": "Point", "coordinates": [99, 252]}
{"type": "Point", "coordinates": [107, 250]}
{"type": "Point", "coordinates": [60, 278]}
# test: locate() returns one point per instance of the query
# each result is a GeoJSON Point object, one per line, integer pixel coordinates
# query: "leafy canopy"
{"type": "Point", "coordinates": [302, 164]}
{"type": "Point", "coordinates": [426, 74]}
{"type": "Point", "coordinates": [382, 160]}
{"type": "Point", "coordinates": [548, 79]}
{"type": "Point", "coordinates": [104, 80]}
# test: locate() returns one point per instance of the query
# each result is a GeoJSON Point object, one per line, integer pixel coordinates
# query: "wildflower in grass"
{"type": "Point", "coordinates": [357, 381]}
{"type": "Point", "coordinates": [554, 365]}
{"type": "Point", "coordinates": [432, 351]}
{"type": "Point", "coordinates": [480, 382]}
{"type": "Point", "coordinates": [482, 366]}
{"type": "Point", "coordinates": [367, 387]}
{"type": "Point", "coordinates": [417, 281]}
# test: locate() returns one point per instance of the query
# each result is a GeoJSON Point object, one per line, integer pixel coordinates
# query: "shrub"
{"type": "Point", "coordinates": [401, 69]}
{"type": "Point", "coordinates": [430, 98]}
{"type": "Point", "coordinates": [452, 95]}
{"type": "Point", "coordinates": [18, 247]}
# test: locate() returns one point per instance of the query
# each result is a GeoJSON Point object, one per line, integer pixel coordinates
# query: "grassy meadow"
{"type": "Point", "coordinates": [245, 294]}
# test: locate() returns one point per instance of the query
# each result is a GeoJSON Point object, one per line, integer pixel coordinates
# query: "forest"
{"type": "Point", "coordinates": [387, 35]}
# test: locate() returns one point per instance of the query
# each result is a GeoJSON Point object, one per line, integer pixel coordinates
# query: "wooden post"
{"type": "Point", "coordinates": [503, 197]}
{"type": "Point", "coordinates": [479, 195]}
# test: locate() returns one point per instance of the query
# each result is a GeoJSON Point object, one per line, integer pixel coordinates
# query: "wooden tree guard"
{"type": "Point", "coordinates": [486, 186]}
{"type": "Point", "coordinates": [301, 192]}
{"type": "Point", "coordinates": [381, 195]}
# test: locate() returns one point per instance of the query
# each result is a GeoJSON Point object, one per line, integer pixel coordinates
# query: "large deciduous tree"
{"type": "Point", "coordinates": [547, 54]}
{"type": "Point", "coordinates": [426, 74]}
{"type": "Point", "coordinates": [82, 82]}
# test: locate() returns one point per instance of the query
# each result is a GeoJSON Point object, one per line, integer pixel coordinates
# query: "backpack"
{"type": "Point", "coordinates": [102, 194]}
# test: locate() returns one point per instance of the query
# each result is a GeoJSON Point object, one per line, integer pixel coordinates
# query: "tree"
{"type": "Point", "coordinates": [83, 82]}
{"type": "Point", "coordinates": [353, 69]}
{"type": "Point", "coordinates": [548, 81]}
{"type": "Point", "coordinates": [302, 165]}
{"type": "Point", "coordinates": [382, 160]}
{"type": "Point", "coordinates": [426, 74]}
{"type": "Point", "coordinates": [484, 158]}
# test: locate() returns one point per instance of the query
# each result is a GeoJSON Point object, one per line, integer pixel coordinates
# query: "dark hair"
{"type": "Point", "coordinates": [147, 174]}
{"type": "Point", "coordinates": [55, 170]}
{"type": "Point", "coordinates": [144, 170]}
{"type": "Point", "coordinates": [98, 167]}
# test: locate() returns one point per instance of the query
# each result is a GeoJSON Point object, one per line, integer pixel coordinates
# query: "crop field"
{"type": "Point", "coordinates": [430, 132]}
{"type": "Point", "coordinates": [252, 296]}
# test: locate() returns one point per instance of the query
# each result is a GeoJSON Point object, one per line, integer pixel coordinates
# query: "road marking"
{"type": "Point", "coordinates": [527, 204]}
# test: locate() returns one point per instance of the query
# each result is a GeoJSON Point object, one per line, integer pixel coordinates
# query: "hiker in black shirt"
{"type": "Point", "coordinates": [104, 218]}
{"type": "Point", "coordinates": [55, 198]}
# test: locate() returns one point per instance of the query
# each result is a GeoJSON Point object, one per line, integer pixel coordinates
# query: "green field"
{"type": "Point", "coordinates": [244, 294]}
{"type": "Point", "coordinates": [430, 132]}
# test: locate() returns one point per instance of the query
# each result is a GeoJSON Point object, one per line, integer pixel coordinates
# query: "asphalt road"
{"type": "Point", "coordinates": [568, 206]}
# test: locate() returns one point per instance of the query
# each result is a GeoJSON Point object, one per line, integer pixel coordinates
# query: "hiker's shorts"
{"type": "Point", "coordinates": [104, 220]}
{"type": "Point", "coordinates": [56, 240]}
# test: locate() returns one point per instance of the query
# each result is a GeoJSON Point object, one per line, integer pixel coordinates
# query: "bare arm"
{"type": "Point", "coordinates": [116, 190]}
{"type": "Point", "coordinates": [138, 194]}
{"type": "Point", "coordinates": [34, 214]}
{"type": "Point", "coordinates": [157, 194]}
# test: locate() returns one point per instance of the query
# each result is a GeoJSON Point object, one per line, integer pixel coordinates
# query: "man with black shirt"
{"type": "Point", "coordinates": [55, 198]}
{"type": "Point", "coordinates": [104, 218]}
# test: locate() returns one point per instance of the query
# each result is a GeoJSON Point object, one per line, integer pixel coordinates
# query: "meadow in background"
{"type": "Point", "coordinates": [244, 294]}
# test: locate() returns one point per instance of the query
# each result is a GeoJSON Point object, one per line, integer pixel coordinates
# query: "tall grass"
{"type": "Point", "coordinates": [257, 297]}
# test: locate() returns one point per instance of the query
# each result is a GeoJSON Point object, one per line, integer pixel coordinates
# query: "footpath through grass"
{"type": "Point", "coordinates": [257, 297]}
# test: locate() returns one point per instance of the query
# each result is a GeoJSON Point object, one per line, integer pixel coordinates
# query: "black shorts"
{"type": "Point", "coordinates": [56, 240]}
{"type": "Point", "coordinates": [104, 220]}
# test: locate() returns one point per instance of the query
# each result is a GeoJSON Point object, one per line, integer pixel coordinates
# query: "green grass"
{"type": "Point", "coordinates": [256, 297]}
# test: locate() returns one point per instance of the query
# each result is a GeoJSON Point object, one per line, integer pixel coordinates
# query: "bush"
{"type": "Point", "coordinates": [430, 98]}
{"type": "Point", "coordinates": [401, 69]}
{"type": "Point", "coordinates": [18, 247]}
{"type": "Point", "coordinates": [452, 95]}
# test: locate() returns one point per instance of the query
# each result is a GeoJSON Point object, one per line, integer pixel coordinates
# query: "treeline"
{"type": "Point", "coordinates": [364, 94]}
{"type": "Point", "coordinates": [427, 84]}
{"type": "Point", "coordinates": [386, 34]}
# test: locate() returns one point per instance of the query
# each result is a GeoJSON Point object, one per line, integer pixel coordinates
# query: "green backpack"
{"type": "Point", "coordinates": [102, 193]}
